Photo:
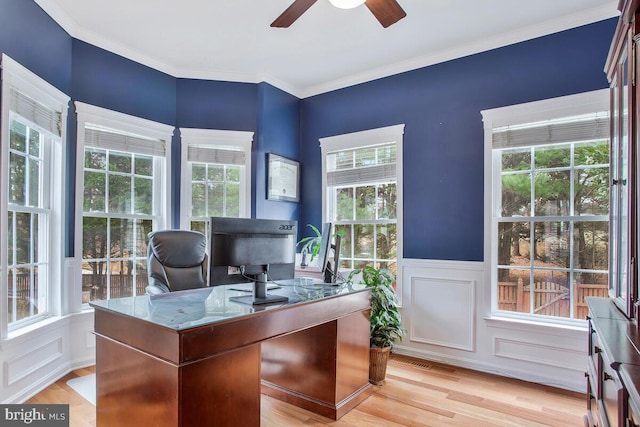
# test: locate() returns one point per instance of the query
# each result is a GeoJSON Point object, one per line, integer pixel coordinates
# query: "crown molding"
{"type": "Point", "coordinates": [577, 19]}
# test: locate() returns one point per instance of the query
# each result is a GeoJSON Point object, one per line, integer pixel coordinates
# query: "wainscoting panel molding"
{"type": "Point", "coordinates": [437, 302]}
{"type": "Point", "coordinates": [447, 313]}
{"type": "Point", "coordinates": [551, 355]}
{"type": "Point", "coordinates": [28, 363]}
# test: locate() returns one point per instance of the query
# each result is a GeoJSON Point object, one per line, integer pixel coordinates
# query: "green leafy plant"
{"type": "Point", "coordinates": [311, 244]}
{"type": "Point", "coordinates": [385, 320]}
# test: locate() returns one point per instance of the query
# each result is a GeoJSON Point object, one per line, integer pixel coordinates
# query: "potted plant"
{"type": "Point", "coordinates": [385, 320]}
{"type": "Point", "coordinates": [310, 245]}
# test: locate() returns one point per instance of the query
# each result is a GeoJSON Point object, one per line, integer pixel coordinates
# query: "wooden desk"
{"type": "Point", "coordinates": [194, 358]}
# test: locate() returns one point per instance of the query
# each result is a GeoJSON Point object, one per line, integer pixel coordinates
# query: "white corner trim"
{"type": "Point", "coordinates": [29, 83]}
{"type": "Point", "coordinates": [547, 109]}
{"type": "Point", "coordinates": [362, 138]}
{"type": "Point", "coordinates": [104, 117]}
{"type": "Point", "coordinates": [242, 139]}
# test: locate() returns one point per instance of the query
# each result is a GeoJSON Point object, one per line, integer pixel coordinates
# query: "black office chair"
{"type": "Point", "coordinates": [176, 260]}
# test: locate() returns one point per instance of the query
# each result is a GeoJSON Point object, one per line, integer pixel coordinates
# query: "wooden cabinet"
{"type": "Point", "coordinates": [613, 370]}
{"type": "Point", "coordinates": [621, 68]}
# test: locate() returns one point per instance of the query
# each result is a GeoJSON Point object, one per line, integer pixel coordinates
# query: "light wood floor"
{"type": "Point", "coordinates": [416, 394]}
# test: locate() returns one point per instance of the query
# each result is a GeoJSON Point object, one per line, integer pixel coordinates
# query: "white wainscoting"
{"type": "Point", "coordinates": [446, 311]}
{"type": "Point", "coordinates": [446, 314]}
{"type": "Point", "coordinates": [438, 301]}
{"type": "Point", "coordinates": [41, 354]}
{"type": "Point", "coordinates": [552, 355]}
{"type": "Point", "coordinates": [28, 361]}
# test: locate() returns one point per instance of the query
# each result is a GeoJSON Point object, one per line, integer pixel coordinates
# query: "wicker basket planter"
{"type": "Point", "coordinates": [378, 358]}
{"type": "Point", "coordinates": [385, 319]}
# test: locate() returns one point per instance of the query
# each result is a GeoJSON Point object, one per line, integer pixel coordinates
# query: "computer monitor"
{"type": "Point", "coordinates": [325, 246]}
{"type": "Point", "coordinates": [252, 250]}
{"type": "Point", "coordinates": [327, 267]}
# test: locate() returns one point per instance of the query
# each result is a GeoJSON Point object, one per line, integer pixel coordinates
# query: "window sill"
{"type": "Point", "coordinates": [527, 325]}
{"type": "Point", "coordinates": [28, 331]}
{"type": "Point", "coordinates": [24, 332]}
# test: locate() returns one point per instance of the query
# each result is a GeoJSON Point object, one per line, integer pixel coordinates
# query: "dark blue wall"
{"type": "Point", "coordinates": [95, 76]}
{"type": "Point", "coordinates": [278, 133]}
{"type": "Point", "coordinates": [107, 80]}
{"type": "Point", "coordinates": [110, 81]}
{"type": "Point", "coordinates": [443, 141]}
{"type": "Point", "coordinates": [32, 38]}
{"type": "Point", "coordinates": [440, 106]}
{"type": "Point", "coordinates": [206, 104]}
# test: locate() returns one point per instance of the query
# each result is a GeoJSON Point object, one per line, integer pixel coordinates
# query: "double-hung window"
{"type": "Point", "coordinates": [32, 169]}
{"type": "Point", "coordinates": [122, 195]}
{"type": "Point", "coordinates": [547, 185]}
{"type": "Point", "coordinates": [216, 176]}
{"type": "Point", "coordinates": [362, 187]}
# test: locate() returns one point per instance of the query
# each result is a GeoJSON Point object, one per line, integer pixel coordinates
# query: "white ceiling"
{"type": "Point", "coordinates": [326, 49]}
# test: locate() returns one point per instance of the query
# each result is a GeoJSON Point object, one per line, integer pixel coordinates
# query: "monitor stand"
{"type": "Point", "coordinates": [260, 296]}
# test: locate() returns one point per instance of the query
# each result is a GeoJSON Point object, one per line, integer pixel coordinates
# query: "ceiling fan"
{"type": "Point", "coordinates": [387, 12]}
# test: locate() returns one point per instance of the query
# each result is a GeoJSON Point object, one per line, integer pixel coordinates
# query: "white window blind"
{"type": "Point", "coordinates": [362, 175]}
{"type": "Point", "coordinates": [35, 112]}
{"type": "Point", "coordinates": [215, 155]}
{"type": "Point", "coordinates": [113, 140]}
{"type": "Point", "coordinates": [591, 127]}
{"type": "Point", "coordinates": [368, 164]}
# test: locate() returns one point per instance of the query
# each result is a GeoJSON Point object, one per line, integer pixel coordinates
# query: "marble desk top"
{"type": "Point", "coordinates": [196, 307]}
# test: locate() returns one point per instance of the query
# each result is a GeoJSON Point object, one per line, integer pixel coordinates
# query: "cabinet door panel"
{"type": "Point", "coordinates": [621, 184]}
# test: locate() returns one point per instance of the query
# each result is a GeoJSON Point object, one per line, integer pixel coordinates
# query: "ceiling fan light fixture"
{"type": "Point", "coordinates": [346, 4]}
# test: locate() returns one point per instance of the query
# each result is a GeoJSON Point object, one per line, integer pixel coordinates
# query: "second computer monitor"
{"type": "Point", "coordinates": [329, 264]}
{"type": "Point", "coordinates": [325, 246]}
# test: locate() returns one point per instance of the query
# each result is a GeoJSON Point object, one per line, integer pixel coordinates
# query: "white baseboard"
{"type": "Point", "coordinates": [565, 383]}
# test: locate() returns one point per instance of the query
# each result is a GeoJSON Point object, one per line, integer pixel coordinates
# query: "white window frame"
{"type": "Point", "coordinates": [514, 115]}
{"type": "Point", "coordinates": [97, 116]}
{"type": "Point", "coordinates": [362, 139]}
{"type": "Point", "coordinates": [238, 140]}
{"type": "Point", "coordinates": [24, 81]}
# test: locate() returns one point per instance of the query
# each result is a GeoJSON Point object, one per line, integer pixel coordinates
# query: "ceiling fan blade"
{"type": "Point", "coordinates": [387, 12]}
{"type": "Point", "coordinates": [293, 12]}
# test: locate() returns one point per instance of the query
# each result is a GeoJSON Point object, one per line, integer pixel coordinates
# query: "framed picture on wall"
{"type": "Point", "coordinates": [283, 180]}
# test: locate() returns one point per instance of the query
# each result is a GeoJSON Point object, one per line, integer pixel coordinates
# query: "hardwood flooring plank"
{"type": "Point", "coordinates": [416, 393]}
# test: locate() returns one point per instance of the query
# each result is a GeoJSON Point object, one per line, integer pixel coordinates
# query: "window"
{"type": "Point", "coordinates": [362, 174]}
{"type": "Point", "coordinates": [123, 194]}
{"type": "Point", "coordinates": [549, 217]}
{"type": "Point", "coordinates": [34, 118]}
{"type": "Point", "coordinates": [216, 176]}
